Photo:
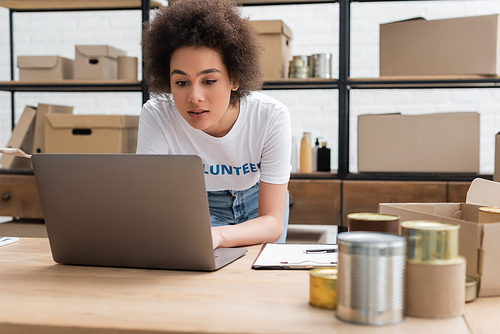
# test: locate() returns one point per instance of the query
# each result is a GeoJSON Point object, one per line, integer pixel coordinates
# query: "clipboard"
{"type": "Point", "coordinates": [294, 256]}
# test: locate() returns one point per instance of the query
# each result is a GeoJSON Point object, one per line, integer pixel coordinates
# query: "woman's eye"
{"type": "Point", "coordinates": [180, 83]}
{"type": "Point", "coordinates": [209, 82]}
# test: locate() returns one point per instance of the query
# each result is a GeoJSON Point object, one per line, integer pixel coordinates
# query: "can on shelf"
{"type": "Point", "coordinates": [374, 222]}
{"type": "Point", "coordinates": [299, 67]}
{"type": "Point", "coordinates": [323, 287]}
{"type": "Point", "coordinates": [370, 284]}
{"type": "Point", "coordinates": [430, 241]}
{"type": "Point", "coordinates": [322, 65]}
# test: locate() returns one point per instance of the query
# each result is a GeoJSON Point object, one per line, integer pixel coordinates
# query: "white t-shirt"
{"type": "Point", "coordinates": [257, 147]}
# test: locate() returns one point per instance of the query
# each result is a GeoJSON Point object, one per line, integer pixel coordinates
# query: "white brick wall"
{"type": "Point", "coordinates": [315, 29]}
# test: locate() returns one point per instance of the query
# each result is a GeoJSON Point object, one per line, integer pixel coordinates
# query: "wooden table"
{"type": "Point", "coordinates": [40, 296]}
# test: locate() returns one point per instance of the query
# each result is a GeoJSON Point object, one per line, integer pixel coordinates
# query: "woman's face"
{"type": "Point", "coordinates": [201, 89]}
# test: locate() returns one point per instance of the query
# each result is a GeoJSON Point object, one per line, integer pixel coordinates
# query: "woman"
{"type": "Point", "coordinates": [202, 60]}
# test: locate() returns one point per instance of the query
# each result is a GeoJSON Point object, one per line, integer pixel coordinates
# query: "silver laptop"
{"type": "Point", "coordinates": [128, 210]}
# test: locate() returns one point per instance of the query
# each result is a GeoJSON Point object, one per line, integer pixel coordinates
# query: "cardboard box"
{"type": "Point", "coordinates": [22, 137]}
{"type": "Point", "coordinates": [458, 46]}
{"type": "Point", "coordinates": [430, 143]}
{"type": "Point", "coordinates": [90, 133]}
{"type": "Point", "coordinates": [44, 68]}
{"type": "Point", "coordinates": [478, 243]}
{"type": "Point", "coordinates": [277, 40]}
{"type": "Point", "coordinates": [97, 62]}
{"type": "Point", "coordinates": [496, 173]}
{"type": "Point", "coordinates": [41, 111]}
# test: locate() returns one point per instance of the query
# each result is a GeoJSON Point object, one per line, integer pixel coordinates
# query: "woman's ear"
{"type": "Point", "coordinates": [235, 86]}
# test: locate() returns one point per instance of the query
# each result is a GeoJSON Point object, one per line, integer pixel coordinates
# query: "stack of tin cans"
{"type": "Point", "coordinates": [435, 273]}
{"type": "Point", "coordinates": [314, 66]}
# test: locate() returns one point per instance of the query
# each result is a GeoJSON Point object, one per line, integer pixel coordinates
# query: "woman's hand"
{"type": "Point", "coordinates": [267, 227]}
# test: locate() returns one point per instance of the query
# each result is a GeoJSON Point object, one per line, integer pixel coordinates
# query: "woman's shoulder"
{"type": "Point", "coordinates": [265, 102]}
{"type": "Point", "coordinates": [159, 103]}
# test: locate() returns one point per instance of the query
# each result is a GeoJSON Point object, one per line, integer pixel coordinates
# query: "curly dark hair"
{"type": "Point", "coordinates": [216, 24]}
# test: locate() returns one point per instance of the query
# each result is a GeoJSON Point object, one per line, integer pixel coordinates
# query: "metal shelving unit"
{"type": "Point", "coordinates": [344, 83]}
{"type": "Point", "coordinates": [70, 85]}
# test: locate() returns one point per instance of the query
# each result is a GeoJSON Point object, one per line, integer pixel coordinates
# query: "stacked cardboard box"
{"type": "Point", "coordinates": [430, 143]}
{"type": "Point", "coordinates": [458, 46]}
{"type": "Point", "coordinates": [277, 39]}
{"type": "Point", "coordinates": [90, 133]}
{"type": "Point", "coordinates": [91, 62]}
{"type": "Point", "coordinates": [54, 129]}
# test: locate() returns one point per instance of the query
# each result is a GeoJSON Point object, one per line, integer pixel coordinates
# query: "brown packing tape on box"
{"type": "Point", "coordinates": [22, 137]}
{"type": "Point", "coordinates": [39, 137]}
{"type": "Point", "coordinates": [435, 290]}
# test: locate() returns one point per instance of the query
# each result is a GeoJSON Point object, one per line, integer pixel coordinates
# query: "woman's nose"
{"type": "Point", "coordinates": [195, 94]}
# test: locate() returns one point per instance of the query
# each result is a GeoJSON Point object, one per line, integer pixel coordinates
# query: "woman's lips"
{"type": "Point", "coordinates": [198, 113]}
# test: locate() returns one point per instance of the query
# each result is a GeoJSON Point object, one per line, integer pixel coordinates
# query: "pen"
{"type": "Point", "coordinates": [321, 251]}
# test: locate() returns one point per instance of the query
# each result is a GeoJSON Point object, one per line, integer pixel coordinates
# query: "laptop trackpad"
{"type": "Point", "coordinates": [225, 256]}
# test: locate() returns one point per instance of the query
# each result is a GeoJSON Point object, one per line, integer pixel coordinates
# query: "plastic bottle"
{"type": "Point", "coordinates": [306, 153]}
{"type": "Point", "coordinates": [295, 152]}
{"type": "Point", "coordinates": [323, 158]}
{"type": "Point", "coordinates": [315, 156]}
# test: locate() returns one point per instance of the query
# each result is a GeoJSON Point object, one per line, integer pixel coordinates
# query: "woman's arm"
{"type": "Point", "coordinates": [267, 227]}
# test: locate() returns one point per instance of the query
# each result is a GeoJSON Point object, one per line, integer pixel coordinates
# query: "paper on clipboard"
{"type": "Point", "coordinates": [7, 240]}
{"type": "Point", "coordinates": [294, 256]}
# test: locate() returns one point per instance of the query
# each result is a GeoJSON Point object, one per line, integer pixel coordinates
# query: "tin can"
{"type": "Point", "coordinates": [370, 284]}
{"type": "Point", "coordinates": [300, 72]}
{"type": "Point", "coordinates": [299, 61]}
{"type": "Point", "coordinates": [310, 66]}
{"type": "Point", "coordinates": [470, 289]}
{"type": "Point", "coordinates": [322, 65]}
{"type": "Point", "coordinates": [430, 241]}
{"type": "Point", "coordinates": [435, 290]}
{"type": "Point", "coordinates": [323, 288]}
{"type": "Point", "coordinates": [299, 67]}
{"type": "Point", "coordinates": [489, 215]}
{"type": "Point", "coordinates": [127, 68]}
{"type": "Point", "coordinates": [374, 222]}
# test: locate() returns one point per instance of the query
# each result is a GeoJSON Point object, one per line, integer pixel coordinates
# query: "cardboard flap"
{"type": "Point", "coordinates": [484, 192]}
{"type": "Point", "coordinates": [65, 121]}
{"type": "Point", "coordinates": [45, 62]}
{"type": "Point", "coordinates": [273, 27]}
{"type": "Point", "coordinates": [22, 138]}
{"type": "Point", "coordinates": [91, 51]}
